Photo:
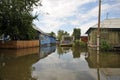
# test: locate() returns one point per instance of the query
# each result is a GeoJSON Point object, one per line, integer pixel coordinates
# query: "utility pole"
{"type": "Point", "coordinates": [98, 31]}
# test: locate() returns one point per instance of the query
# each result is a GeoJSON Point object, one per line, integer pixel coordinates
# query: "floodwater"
{"type": "Point", "coordinates": [59, 63]}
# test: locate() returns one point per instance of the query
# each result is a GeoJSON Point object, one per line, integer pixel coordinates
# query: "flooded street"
{"type": "Point", "coordinates": [59, 39]}
{"type": "Point", "coordinates": [58, 63]}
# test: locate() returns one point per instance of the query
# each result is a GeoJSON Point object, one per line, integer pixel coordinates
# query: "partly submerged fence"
{"type": "Point", "coordinates": [19, 44]}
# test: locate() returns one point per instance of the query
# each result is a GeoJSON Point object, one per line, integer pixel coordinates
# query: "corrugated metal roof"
{"type": "Point", "coordinates": [108, 23]}
{"type": "Point", "coordinates": [38, 29]}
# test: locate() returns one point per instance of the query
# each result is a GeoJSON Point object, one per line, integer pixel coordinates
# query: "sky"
{"type": "Point", "coordinates": [66, 15]}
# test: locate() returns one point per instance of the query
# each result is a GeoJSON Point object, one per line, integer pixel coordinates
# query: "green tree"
{"type": "Point", "coordinates": [16, 19]}
{"type": "Point", "coordinates": [52, 34]}
{"type": "Point", "coordinates": [61, 33]}
{"type": "Point", "coordinates": [66, 33]}
{"type": "Point", "coordinates": [76, 33]}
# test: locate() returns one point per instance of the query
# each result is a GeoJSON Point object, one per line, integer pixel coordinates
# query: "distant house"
{"type": "Point", "coordinates": [84, 38]}
{"type": "Point", "coordinates": [44, 38]}
{"type": "Point", "coordinates": [66, 40]}
{"type": "Point", "coordinates": [109, 31]}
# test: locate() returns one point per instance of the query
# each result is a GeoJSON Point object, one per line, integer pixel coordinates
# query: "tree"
{"type": "Point", "coordinates": [16, 19]}
{"type": "Point", "coordinates": [76, 33]}
{"type": "Point", "coordinates": [61, 33]}
{"type": "Point", "coordinates": [66, 33]}
{"type": "Point", "coordinates": [52, 34]}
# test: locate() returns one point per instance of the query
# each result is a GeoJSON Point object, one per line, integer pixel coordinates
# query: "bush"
{"type": "Point", "coordinates": [76, 43]}
{"type": "Point", "coordinates": [83, 44]}
{"type": "Point", "coordinates": [104, 46]}
{"type": "Point", "coordinates": [80, 43]}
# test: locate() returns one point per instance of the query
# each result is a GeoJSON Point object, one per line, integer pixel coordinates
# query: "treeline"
{"type": "Point", "coordinates": [76, 33]}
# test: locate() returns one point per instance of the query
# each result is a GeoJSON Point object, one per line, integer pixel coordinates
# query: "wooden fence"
{"type": "Point", "coordinates": [19, 44]}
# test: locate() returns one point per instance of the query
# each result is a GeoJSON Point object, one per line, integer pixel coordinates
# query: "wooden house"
{"type": "Point", "coordinates": [109, 32]}
{"type": "Point", "coordinates": [44, 38]}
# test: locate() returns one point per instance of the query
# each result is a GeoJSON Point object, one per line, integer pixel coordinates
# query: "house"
{"type": "Point", "coordinates": [66, 40]}
{"type": "Point", "coordinates": [109, 32]}
{"type": "Point", "coordinates": [44, 38]}
{"type": "Point", "coordinates": [84, 39]}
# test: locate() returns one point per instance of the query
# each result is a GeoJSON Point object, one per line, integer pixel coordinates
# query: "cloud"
{"type": "Point", "coordinates": [85, 27]}
{"type": "Point", "coordinates": [62, 8]}
{"type": "Point", "coordinates": [57, 14]}
{"type": "Point", "coordinates": [57, 10]}
{"type": "Point", "coordinates": [88, 18]}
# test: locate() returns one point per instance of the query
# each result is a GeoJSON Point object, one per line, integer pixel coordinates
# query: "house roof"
{"type": "Point", "coordinates": [39, 30]}
{"type": "Point", "coordinates": [108, 23]}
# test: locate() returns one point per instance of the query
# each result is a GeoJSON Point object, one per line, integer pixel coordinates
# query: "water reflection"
{"type": "Point", "coordinates": [106, 63]}
{"type": "Point", "coordinates": [63, 50]}
{"type": "Point", "coordinates": [74, 63]}
{"type": "Point", "coordinates": [98, 67]}
{"type": "Point", "coordinates": [106, 59]}
{"type": "Point", "coordinates": [76, 50]}
{"type": "Point", "coordinates": [46, 50]}
{"type": "Point", "coordinates": [16, 64]}
{"type": "Point", "coordinates": [61, 63]}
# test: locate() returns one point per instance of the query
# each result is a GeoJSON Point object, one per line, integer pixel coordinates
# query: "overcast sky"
{"type": "Point", "coordinates": [66, 15]}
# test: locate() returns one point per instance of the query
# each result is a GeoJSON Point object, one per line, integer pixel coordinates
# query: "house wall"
{"type": "Point", "coordinates": [45, 39]}
{"type": "Point", "coordinates": [112, 37]}
{"type": "Point", "coordinates": [52, 40]}
{"type": "Point", "coordinates": [92, 38]}
{"type": "Point", "coordinates": [84, 38]}
{"type": "Point", "coordinates": [67, 39]}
